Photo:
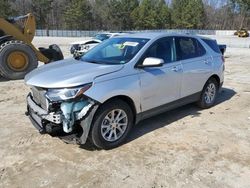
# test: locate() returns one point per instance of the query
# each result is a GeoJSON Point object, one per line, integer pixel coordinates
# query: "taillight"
{"type": "Point", "coordinates": [222, 58]}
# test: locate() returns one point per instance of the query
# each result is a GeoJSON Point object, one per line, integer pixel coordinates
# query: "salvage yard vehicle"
{"type": "Point", "coordinates": [122, 81]}
{"type": "Point", "coordinates": [81, 47]}
{"type": "Point", "coordinates": [242, 33]}
{"type": "Point", "coordinates": [18, 56]}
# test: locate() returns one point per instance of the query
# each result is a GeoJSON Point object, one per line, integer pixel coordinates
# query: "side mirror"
{"type": "Point", "coordinates": [151, 62]}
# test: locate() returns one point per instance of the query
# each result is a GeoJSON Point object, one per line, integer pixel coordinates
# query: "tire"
{"type": "Point", "coordinates": [209, 94]}
{"type": "Point", "coordinates": [101, 124]}
{"type": "Point", "coordinates": [28, 57]}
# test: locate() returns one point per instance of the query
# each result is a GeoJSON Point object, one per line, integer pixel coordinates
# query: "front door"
{"type": "Point", "coordinates": [160, 85]}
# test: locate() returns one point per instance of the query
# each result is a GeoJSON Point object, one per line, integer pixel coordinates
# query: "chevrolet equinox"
{"type": "Point", "coordinates": [101, 95]}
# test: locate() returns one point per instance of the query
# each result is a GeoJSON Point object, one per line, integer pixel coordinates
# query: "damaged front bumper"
{"type": "Point", "coordinates": [39, 116]}
{"type": "Point", "coordinates": [69, 117]}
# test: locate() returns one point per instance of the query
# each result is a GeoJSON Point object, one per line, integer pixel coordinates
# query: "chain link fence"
{"type": "Point", "coordinates": [77, 33]}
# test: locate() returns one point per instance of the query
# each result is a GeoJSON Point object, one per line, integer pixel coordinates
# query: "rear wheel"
{"type": "Point", "coordinates": [111, 124]}
{"type": "Point", "coordinates": [209, 93]}
{"type": "Point", "coordinates": [16, 59]}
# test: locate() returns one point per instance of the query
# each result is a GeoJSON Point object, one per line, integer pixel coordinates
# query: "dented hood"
{"type": "Point", "coordinates": [68, 73]}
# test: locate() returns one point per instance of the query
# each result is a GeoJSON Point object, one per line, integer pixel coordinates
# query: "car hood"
{"type": "Point", "coordinates": [68, 73]}
{"type": "Point", "coordinates": [86, 41]}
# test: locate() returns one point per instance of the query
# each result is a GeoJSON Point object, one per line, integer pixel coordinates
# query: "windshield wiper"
{"type": "Point", "coordinates": [92, 61]}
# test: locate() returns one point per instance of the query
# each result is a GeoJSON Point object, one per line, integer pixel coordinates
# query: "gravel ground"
{"type": "Point", "coordinates": [186, 147]}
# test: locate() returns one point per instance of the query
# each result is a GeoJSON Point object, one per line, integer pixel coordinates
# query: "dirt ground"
{"type": "Point", "coordinates": [186, 147]}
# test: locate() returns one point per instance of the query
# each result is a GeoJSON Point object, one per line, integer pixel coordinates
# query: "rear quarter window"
{"type": "Point", "coordinates": [213, 45]}
{"type": "Point", "coordinates": [187, 47]}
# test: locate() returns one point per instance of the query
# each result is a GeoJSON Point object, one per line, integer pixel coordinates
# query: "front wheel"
{"type": "Point", "coordinates": [111, 124]}
{"type": "Point", "coordinates": [16, 59]}
{"type": "Point", "coordinates": [209, 94]}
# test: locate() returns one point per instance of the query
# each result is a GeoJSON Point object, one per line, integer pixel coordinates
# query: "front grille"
{"type": "Point", "coordinates": [38, 95]}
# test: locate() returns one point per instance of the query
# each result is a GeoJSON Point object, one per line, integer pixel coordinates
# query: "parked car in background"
{"type": "Point", "coordinates": [122, 81]}
{"type": "Point", "coordinates": [79, 48]}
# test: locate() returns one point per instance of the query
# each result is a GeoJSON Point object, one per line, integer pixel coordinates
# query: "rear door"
{"type": "Point", "coordinates": [196, 63]}
{"type": "Point", "coordinates": [160, 85]}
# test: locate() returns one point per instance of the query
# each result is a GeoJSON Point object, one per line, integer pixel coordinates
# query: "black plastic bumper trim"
{"type": "Point", "coordinates": [35, 124]}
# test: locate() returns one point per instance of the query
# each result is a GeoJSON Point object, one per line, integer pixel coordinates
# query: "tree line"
{"type": "Point", "coordinates": [120, 15]}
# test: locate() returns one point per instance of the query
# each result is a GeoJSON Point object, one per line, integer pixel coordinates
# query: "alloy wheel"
{"type": "Point", "coordinates": [210, 93]}
{"type": "Point", "coordinates": [114, 125]}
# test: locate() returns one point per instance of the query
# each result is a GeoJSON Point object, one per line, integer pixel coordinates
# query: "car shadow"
{"type": "Point", "coordinates": [162, 120]}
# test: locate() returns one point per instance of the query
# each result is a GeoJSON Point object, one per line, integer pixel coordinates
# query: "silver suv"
{"type": "Point", "coordinates": [121, 82]}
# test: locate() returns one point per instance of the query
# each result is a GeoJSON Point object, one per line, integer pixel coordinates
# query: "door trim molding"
{"type": "Point", "coordinates": [169, 106]}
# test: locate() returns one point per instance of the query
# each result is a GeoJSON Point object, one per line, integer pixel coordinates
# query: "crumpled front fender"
{"type": "Point", "coordinates": [86, 124]}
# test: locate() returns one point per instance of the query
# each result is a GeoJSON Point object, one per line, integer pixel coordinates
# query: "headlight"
{"type": "Point", "coordinates": [86, 47]}
{"type": "Point", "coordinates": [74, 48]}
{"type": "Point", "coordinates": [67, 93]}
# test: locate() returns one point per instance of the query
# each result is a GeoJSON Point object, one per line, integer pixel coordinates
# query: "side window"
{"type": "Point", "coordinates": [187, 48]}
{"type": "Point", "coordinates": [162, 49]}
{"type": "Point", "coordinates": [200, 49]}
{"type": "Point", "coordinates": [212, 44]}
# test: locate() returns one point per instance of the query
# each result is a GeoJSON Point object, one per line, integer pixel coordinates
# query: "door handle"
{"type": "Point", "coordinates": [176, 69]}
{"type": "Point", "coordinates": [206, 62]}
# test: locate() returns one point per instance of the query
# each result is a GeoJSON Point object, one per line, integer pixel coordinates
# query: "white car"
{"type": "Point", "coordinates": [81, 47]}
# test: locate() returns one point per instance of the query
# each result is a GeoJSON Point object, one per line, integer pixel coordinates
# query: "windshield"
{"type": "Point", "coordinates": [115, 51]}
{"type": "Point", "coordinates": [102, 37]}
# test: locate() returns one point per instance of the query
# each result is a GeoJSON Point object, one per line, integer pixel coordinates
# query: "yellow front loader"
{"type": "Point", "coordinates": [242, 33]}
{"type": "Point", "coordinates": [18, 56]}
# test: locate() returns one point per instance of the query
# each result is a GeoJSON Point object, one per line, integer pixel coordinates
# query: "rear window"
{"type": "Point", "coordinates": [212, 44]}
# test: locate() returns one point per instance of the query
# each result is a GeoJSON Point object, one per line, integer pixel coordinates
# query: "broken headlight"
{"type": "Point", "coordinates": [66, 93]}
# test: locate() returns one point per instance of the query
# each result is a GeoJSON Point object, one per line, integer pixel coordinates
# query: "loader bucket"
{"type": "Point", "coordinates": [53, 53]}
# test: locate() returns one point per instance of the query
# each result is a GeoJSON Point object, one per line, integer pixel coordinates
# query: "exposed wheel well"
{"type": "Point", "coordinates": [126, 99]}
{"type": "Point", "coordinates": [4, 38]}
{"type": "Point", "coordinates": [1, 33]}
{"type": "Point", "coordinates": [216, 77]}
